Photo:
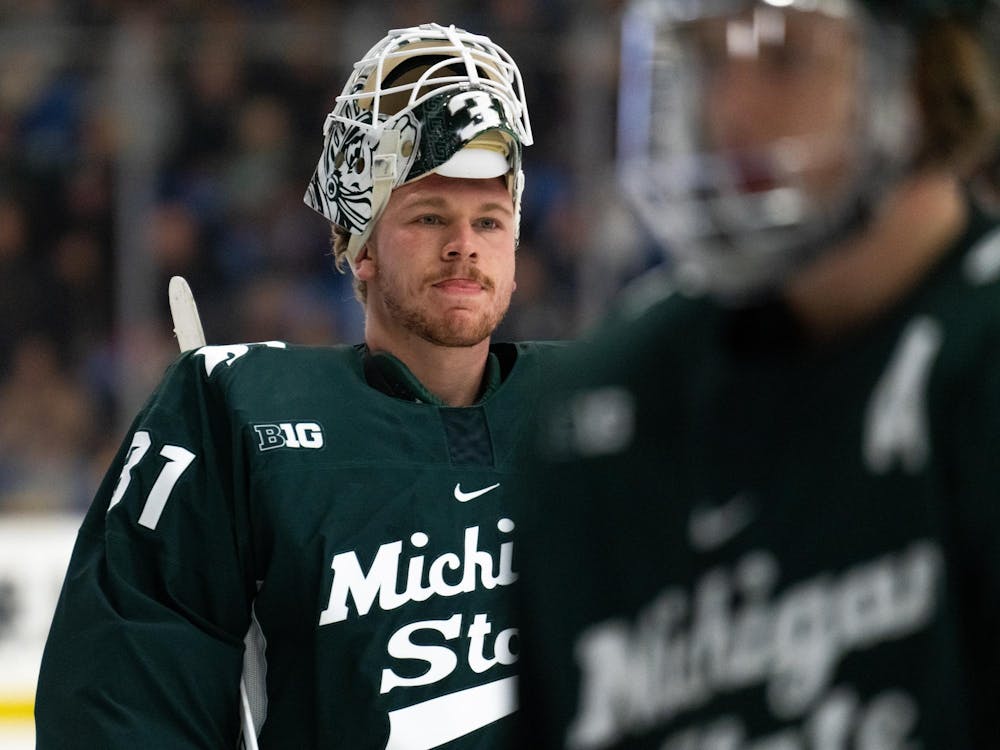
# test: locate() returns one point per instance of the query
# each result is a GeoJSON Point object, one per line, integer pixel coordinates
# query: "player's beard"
{"type": "Point", "coordinates": [446, 327]}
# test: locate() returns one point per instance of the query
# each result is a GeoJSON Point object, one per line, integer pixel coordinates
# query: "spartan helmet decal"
{"type": "Point", "coordinates": [342, 187]}
{"type": "Point", "coordinates": [425, 99]}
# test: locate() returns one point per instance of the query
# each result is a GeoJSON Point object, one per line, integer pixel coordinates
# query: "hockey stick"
{"type": "Point", "coordinates": [249, 730]}
{"type": "Point", "coordinates": [190, 335]}
{"type": "Point", "coordinates": [184, 311]}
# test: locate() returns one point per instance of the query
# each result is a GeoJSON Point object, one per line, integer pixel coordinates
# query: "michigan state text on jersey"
{"type": "Point", "coordinates": [368, 540]}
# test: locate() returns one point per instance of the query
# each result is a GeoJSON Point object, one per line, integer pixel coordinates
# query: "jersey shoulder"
{"type": "Point", "coordinates": [650, 325]}
{"type": "Point", "coordinates": [267, 358]}
{"type": "Point", "coordinates": [237, 375]}
{"type": "Point", "coordinates": [242, 365]}
{"type": "Point", "coordinates": [978, 258]}
{"type": "Point", "coordinates": [964, 295]}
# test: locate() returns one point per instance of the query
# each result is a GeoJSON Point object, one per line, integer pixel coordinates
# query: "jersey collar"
{"type": "Point", "coordinates": [391, 376]}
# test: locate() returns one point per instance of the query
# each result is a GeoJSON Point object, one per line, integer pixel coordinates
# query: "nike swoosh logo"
{"type": "Point", "coordinates": [711, 527]}
{"type": "Point", "coordinates": [464, 497]}
{"type": "Point", "coordinates": [439, 720]}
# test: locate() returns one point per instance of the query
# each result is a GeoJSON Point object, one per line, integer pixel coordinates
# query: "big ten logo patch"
{"type": "Point", "coordinates": [288, 435]}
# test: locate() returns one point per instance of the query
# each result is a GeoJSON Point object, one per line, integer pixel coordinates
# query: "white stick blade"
{"type": "Point", "coordinates": [187, 323]}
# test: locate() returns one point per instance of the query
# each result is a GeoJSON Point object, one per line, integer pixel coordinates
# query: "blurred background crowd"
{"type": "Point", "coordinates": [140, 140]}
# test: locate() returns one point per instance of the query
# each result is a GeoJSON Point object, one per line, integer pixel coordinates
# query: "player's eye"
{"type": "Point", "coordinates": [489, 223]}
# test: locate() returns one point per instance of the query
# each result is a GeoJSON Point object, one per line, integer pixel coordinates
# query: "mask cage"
{"type": "Point", "coordinates": [736, 222]}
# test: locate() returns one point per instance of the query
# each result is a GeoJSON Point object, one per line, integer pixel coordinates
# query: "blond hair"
{"type": "Point", "coordinates": [339, 237]}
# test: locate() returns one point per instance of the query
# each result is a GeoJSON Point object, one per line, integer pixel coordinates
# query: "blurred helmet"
{"type": "Point", "coordinates": [753, 135]}
{"type": "Point", "coordinates": [424, 99]}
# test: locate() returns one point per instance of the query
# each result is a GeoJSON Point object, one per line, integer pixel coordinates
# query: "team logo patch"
{"type": "Point", "coordinates": [288, 435]}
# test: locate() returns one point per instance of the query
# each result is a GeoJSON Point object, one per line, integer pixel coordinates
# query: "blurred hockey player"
{"type": "Point", "coordinates": [766, 511]}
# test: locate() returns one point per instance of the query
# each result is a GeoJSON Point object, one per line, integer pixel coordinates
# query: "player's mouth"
{"type": "Point", "coordinates": [459, 286]}
{"type": "Point", "coordinates": [468, 282]}
{"type": "Point", "coordinates": [753, 175]}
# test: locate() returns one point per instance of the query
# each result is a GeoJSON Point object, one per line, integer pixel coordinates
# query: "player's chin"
{"type": "Point", "coordinates": [462, 328]}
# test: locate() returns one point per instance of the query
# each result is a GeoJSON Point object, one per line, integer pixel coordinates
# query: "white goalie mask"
{"type": "Point", "coordinates": [423, 100]}
{"type": "Point", "coordinates": [753, 135]}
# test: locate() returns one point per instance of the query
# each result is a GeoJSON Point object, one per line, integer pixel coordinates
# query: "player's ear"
{"type": "Point", "coordinates": [364, 264]}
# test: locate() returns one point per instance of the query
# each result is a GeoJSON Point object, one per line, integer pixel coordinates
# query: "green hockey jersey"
{"type": "Point", "coordinates": [738, 541]}
{"type": "Point", "coordinates": [355, 541]}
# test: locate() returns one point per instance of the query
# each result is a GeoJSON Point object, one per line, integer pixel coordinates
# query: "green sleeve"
{"type": "Point", "coordinates": [145, 648]}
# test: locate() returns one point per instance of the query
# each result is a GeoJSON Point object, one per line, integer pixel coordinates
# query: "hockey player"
{"type": "Point", "coordinates": [342, 511]}
{"type": "Point", "coordinates": [767, 504]}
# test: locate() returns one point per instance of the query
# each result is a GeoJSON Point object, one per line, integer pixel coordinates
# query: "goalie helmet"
{"type": "Point", "coordinates": [424, 99]}
{"type": "Point", "coordinates": [736, 207]}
